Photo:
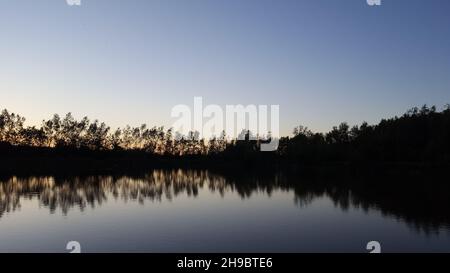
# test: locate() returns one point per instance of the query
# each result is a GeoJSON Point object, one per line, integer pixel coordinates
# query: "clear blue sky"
{"type": "Point", "coordinates": [130, 62]}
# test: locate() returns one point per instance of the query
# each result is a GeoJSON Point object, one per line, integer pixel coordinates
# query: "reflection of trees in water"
{"type": "Point", "coordinates": [67, 192]}
{"type": "Point", "coordinates": [422, 206]}
{"type": "Point", "coordinates": [425, 208]}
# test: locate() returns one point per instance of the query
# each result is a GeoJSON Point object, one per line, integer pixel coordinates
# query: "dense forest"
{"type": "Point", "coordinates": [421, 135]}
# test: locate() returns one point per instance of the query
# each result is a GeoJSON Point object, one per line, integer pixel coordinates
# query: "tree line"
{"type": "Point", "coordinates": [421, 134]}
{"type": "Point", "coordinates": [67, 132]}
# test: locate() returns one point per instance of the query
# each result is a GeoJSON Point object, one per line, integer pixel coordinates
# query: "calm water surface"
{"type": "Point", "coordinates": [198, 211]}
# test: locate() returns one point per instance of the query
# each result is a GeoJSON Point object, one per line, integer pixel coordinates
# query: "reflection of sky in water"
{"type": "Point", "coordinates": [206, 221]}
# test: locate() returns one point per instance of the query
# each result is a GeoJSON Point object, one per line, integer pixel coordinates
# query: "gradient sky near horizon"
{"type": "Point", "coordinates": [130, 62]}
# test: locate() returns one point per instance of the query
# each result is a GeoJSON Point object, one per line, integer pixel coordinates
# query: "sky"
{"type": "Point", "coordinates": [131, 61]}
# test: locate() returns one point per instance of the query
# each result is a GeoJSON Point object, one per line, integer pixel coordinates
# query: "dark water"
{"type": "Point", "coordinates": [199, 211]}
